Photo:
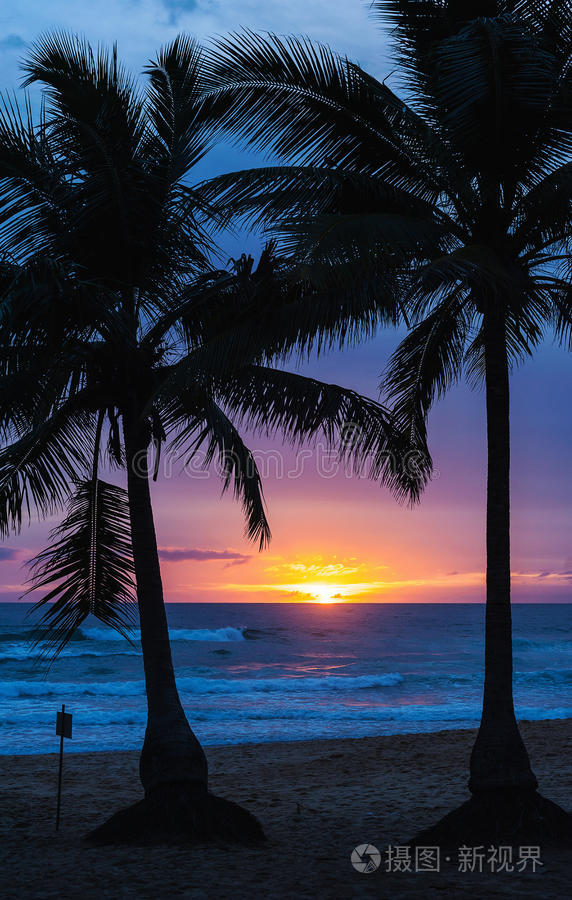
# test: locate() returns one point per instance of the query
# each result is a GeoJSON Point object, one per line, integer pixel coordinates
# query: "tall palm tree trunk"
{"type": "Point", "coordinates": [505, 807]}
{"type": "Point", "coordinates": [499, 758]}
{"type": "Point", "coordinates": [173, 766]}
{"type": "Point", "coordinates": [171, 752]}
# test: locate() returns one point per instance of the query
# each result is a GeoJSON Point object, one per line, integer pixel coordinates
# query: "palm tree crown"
{"type": "Point", "coordinates": [447, 206]}
{"type": "Point", "coordinates": [422, 204]}
{"type": "Point", "coordinates": [111, 303]}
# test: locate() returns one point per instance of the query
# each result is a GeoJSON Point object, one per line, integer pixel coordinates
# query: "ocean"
{"type": "Point", "coordinates": [283, 672]}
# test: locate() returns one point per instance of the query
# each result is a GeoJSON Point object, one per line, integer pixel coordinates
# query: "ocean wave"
{"type": "Point", "coordinates": [405, 717]}
{"type": "Point", "coordinates": [26, 689]}
{"type": "Point", "coordinates": [11, 636]}
{"type": "Point", "coordinates": [204, 685]}
{"type": "Point", "coordinates": [201, 685]}
{"type": "Point", "coordinates": [20, 652]}
{"type": "Point", "coordinates": [464, 679]}
{"type": "Point", "coordinates": [551, 676]}
{"type": "Point", "coordinates": [228, 633]}
{"type": "Point", "coordinates": [30, 634]}
{"type": "Point", "coordinates": [19, 647]}
{"type": "Point", "coordinates": [548, 646]}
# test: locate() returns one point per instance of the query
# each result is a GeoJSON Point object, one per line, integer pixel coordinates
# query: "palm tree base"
{"type": "Point", "coordinates": [511, 816]}
{"type": "Point", "coordinates": [179, 813]}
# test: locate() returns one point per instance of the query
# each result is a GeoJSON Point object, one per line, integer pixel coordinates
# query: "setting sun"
{"type": "Point", "coordinates": [324, 593]}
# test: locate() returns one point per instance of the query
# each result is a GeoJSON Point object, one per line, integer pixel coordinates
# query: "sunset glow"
{"type": "Point", "coordinates": [324, 593]}
{"type": "Point", "coordinates": [346, 539]}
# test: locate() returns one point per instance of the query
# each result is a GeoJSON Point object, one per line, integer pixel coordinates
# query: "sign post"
{"type": "Point", "coordinates": [64, 729]}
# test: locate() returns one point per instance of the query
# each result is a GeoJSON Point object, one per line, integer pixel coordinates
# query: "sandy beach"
{"type": "Point", "coordinates": [316, 799]}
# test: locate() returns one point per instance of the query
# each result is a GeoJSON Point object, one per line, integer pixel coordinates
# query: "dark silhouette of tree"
{"type": "Point", "coordinates": [448, 206]}
{"type": "Point", "coordinates": [118, 339]}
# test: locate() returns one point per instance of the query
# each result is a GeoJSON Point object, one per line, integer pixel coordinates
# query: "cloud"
{"type": "Point", "coordinates": [319, 568]}
{"type": "Point", "coordinates": [549, 575]}
{"type": "Point", "coordinates": [141, 26]}
{"type": "Point", "coordinates": [566, 575]}
{"type": "Point", "coordinates": [7, 553]}
{"type": "Point", "coordinates": [178, 554]}
{"type": "Point", "coordinates": [303, 596]}
{"type": "Point", "coordinates": [347, 27]}
{"type": "Point", "coordinates": [239, 561]}
{"type": "Point", "coordinates": [177, 8]}
{"type": "Point", "coordinates": [12, 42]}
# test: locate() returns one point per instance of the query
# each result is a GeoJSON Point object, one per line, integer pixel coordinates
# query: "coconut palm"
{"type": "Point", "coordinates": [117, 337]}
{"type": "Point", "coordinates": [448, 205]}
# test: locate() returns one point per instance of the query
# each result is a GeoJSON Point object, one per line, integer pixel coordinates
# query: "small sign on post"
{"type": "Point", "coordinates": [64, 730]}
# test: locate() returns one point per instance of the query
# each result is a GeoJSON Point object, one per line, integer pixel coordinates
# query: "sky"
{"type": "Point", "coordinates": [335, 536]}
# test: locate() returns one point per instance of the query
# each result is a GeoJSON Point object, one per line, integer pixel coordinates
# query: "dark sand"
{"type": "Point", "coordinates": [316, 799]}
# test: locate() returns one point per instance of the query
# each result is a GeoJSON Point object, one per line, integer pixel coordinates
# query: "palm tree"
{"type": "Point", "coordinates": [448, 206]}
{"type": "Point", "coordinates": [117, 339]}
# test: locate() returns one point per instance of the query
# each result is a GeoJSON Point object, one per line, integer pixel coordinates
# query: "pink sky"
{"type": "Point", "coordinates": [346, 538]}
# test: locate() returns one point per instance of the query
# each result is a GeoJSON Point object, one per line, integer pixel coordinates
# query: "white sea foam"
{"type": "Point", "coordinates": [25, 651]}
{"type": "Point", "coordinates": [200, 685]}
{"type": "Point", "coordinates": [292, 723]}
{"type": "Point", "coordinates": [228, 633]}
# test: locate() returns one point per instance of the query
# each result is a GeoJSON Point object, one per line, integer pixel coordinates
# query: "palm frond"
{"type": "Point", "coordinates": [494, 83]}
{"type": "Point", "coordinates": [301, 409]}
{"type": "Point", "coordinates": [266, 196]}
{"type": "Point", "coordinates": [200, 425]}
{"type": "Point", "coordinates": [487, 76]}
{"type": "Point", "coordinates": [36, 469]}
{"type": "Point", "coordinates": [33, 188]}
{"type": "Point", "coordinates": [288, 304]}
{"type": "Point", "coordinates": [88, 568]}
{"type": "Point", "coordinates": [418, 26]}
{"type": "Point", "coordinates": [475, 268]}
{"type": "Point", "coordinates": [309, 105]}
{"type": "Point", "coordinates": [558, 293]}
{"type": "Point", "coordinates": [542, 217]}
{"type": "Point", "coordinates": [399, 237]}
{"type": "Point", "coordinates": [90, 94]}
{"type": "Point", "coordinates": [174, 104]}
{"type": "Point", "coordinates": [540, 304]}
{"type": "Point", "coordinates": [425, 364]}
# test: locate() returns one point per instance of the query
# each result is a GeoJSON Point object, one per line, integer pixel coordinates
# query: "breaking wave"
{"type": "Point", "coordinates": [228, 633]}
{"type": "Point", "coordinates": [201, 685]}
